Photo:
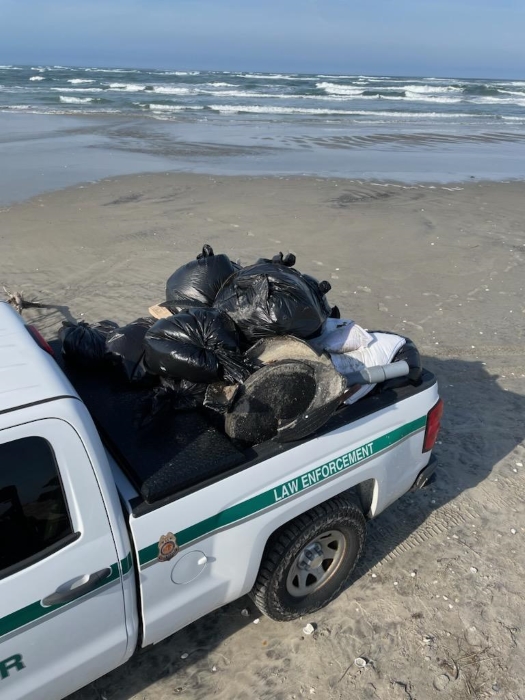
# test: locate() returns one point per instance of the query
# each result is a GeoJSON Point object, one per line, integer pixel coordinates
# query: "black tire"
{"type": "Point", "coordinates": [271, 590]}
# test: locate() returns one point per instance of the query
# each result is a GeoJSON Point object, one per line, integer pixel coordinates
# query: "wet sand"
{"type": "Point", "coordinates": [40, 153]}
{"type": "Point", "coordinates": [437, 603]}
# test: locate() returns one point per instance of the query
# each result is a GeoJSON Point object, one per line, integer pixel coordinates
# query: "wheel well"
{"type": "Point", "coordinates": [365, 491]}
{"type": "Point", "coordinates": [267, 592]}
{"type": "Point", "coordinates": [361, 498]}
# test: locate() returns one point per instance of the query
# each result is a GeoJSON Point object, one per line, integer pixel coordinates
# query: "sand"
{"type": "Point", "coordinates": [437, 605]}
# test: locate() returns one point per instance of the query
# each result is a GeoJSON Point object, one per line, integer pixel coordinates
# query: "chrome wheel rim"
{"type": "Point", "coordinates": [316, 563]}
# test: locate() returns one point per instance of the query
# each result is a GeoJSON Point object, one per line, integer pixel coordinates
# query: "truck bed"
{"type": "Point", "coordinates": [181, 451]}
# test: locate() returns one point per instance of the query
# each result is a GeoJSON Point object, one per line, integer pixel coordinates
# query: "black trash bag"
{"type": "Point", "coordinates": [273, 299]}
{"type": "Point", "coordinates": [84, 345]}
{"type": "Point", "coordinates": [410, 354]}
{"type": "Point", "coordinates": [125, 347]}
{"type": "Point", "coordinates": [335, 313]}
{"type": "Point", "coordinates": [197, 282]}
{"type": "Point", "coordinates": [200, 345]}
{"type": "Point", "coordinates": [321, 289]}
{"type": "Point", "coordinates": [171, 395]}
{"type": "Point", "coordinates": [287, 260]}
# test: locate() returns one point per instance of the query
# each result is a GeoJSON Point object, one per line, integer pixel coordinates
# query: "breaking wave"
{"type": "Point", "coordinates": [75, 100]}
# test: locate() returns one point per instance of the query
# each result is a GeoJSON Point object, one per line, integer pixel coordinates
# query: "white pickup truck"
{"type": "Point", "coordinates": [113, 538]}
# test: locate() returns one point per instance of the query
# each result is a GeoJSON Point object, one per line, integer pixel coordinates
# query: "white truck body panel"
{"type": "Point", "coordinates": [27, 375]}
{"type": "Point", "coordinates": [219, 531]}
{"type": "Point", "coordinates": [259, 500]}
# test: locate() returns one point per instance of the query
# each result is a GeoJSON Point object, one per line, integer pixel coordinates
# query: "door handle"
{"type": "Point", "coordinates": [68, 592]}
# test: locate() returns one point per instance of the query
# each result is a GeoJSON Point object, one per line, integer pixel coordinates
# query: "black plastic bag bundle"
{"type": "Point", "coordinates": [272, 298]}
{"type": "Point", "coordinates": [171, 395]}
{"type": "Point", "coordinates": [84, 345]}
{"type": "Point", "coordinates": [197, 282]}
{"type": "Point", "coordinates": [320, 289]}
{"type": "Point", "coordinates": [200, 345]}
{"type": "Point", "coordinates": [125, 347]}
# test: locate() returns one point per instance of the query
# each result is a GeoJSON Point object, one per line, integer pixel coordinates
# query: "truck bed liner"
{"type": "Point", "coordinates": [173, 451]}
{"type": "Point", "coordinates": [181, 451]}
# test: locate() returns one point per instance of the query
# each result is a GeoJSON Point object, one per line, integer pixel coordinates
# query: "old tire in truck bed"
{"type": "Point", "coordinates": [308, 561]}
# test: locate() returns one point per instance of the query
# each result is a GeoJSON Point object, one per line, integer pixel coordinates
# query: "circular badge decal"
{"type": "Point", "coordinates": [168, 547]}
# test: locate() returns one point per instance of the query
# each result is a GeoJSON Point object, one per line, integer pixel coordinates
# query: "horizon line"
{"type": "Point", "coordinates": [4, 66]}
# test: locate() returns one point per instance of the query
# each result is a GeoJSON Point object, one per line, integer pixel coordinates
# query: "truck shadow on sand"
{"type": "Point", "coordinates": [482, 425]}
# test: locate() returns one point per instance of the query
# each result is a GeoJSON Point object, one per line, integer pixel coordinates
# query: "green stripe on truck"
{"type": "Point", "coordinates": [288, 488]}
{"type": "Point", "coordinates": [35, 611]}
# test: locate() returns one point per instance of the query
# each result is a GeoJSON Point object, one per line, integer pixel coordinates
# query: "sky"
{"type": "Point", "coordinates": [459, 38]}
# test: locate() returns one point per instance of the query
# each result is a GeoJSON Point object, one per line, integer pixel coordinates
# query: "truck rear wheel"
{"type": "Point", "coordinates": [309, 560]}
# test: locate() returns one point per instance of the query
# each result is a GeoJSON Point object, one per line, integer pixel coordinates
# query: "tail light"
{"type": "Point", "coordinates": [40, 341]}
{"type": "Point", "coordinates": [433, 425]}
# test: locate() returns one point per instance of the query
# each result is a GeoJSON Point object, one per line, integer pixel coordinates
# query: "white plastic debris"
{"type": "Point", "coordinates": [308, 629]}
{"type": "Point", "coordinates": [473, 570]}
{"type": "Point", "coordinates": [213, 669]}
{"type": "Point", "coordinates": [513, 531]}
{"type": "Point", "coordinates": [360, 662]}
{"type": "Point", "coordinates": [256, 621]}
{"type": "Point", "coordinates": [184, 656]}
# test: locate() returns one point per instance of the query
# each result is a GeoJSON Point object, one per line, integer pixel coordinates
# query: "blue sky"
{"type": "Point", "coordinates": [478, 38]}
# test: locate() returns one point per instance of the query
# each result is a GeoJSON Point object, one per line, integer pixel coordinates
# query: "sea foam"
{"type": "Point", "coordinates": [75, 100]}
{"type": "Point", "coordinates": [127, 87]}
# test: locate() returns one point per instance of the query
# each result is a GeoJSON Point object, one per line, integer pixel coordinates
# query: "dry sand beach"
{"type": "Point", "coordinates": [437, 604]}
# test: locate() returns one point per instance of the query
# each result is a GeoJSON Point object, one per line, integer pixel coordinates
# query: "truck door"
{"type": "Point", "coordinates": [61, 600]}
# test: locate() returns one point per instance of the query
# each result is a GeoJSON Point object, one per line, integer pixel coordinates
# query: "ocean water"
{"type": "Point", "coordinates": [61, 125]}
{"type": "Point", "coordinates": [349, 99]}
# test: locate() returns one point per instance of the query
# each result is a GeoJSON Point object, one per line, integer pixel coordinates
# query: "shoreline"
{"type": "Point", "coordinates": [42, 153]}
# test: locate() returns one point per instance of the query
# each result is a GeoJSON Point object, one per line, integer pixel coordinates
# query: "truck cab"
{"type": "Point", "coordinates": [67, 596]}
